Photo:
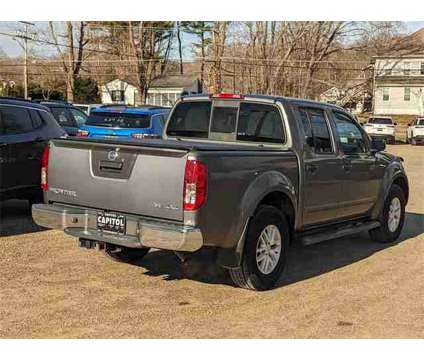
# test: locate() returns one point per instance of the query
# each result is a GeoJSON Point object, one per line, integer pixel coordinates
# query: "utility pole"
{"type": "Point", "coordinates": [26, 38]}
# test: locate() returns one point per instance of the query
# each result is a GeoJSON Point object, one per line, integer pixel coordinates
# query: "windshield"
{"type": "Point", "coordinates": [119, 120]}
{"type": "Point", "coordinates": [382, 121]}
{"type": "Point", "coordinates": [420, 122]}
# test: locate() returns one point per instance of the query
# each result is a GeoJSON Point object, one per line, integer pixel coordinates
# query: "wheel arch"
{"type": "Point", "coordinates": [279, 198]}
{"type": "Point", "coordinates": [402, 182]}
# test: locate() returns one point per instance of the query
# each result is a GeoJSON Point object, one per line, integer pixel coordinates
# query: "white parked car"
{"type": "Point", "coordinates": [415, 133]}
{"type": "Point", "coordinates": [381, 127]}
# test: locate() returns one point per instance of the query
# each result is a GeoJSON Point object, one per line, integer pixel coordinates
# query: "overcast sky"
{"type": "Point", "coordinates": [12, 49]}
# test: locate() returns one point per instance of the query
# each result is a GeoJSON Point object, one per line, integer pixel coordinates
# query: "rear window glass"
{"type": "Point", "coordinates": [15, 120]}
{"type": "Point", "coordinates": [230, 121]}
{"type": "Point", "coordinates": [381, 121]}
{"type": "Point", "coordinates": [190, 119]}
{"type": "Point", "coordinates": [260, 123]}
{"type": "Point", "coordinates": [224, 119]}
{"type": "Point", "coordinates": [119, 120]}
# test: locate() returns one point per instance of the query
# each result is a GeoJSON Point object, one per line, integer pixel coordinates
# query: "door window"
{"type": "Point", "coordinates": [37, 121]}
{"type": "Point", "coordinates": [316, 130]}
{"type": "Point", "coordinates": [351, 139]}
{"type": "Point", "coordinates": [16, 120]}
{"type": "Point", "coordinates": [79, 116]}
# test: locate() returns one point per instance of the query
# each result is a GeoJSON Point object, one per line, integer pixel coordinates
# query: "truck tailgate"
{"type": "Point", "coordinates": [118, 177]}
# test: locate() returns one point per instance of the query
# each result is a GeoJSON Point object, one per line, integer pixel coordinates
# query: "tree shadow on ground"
{"type": "Point", "coordinates": [303, 262]}
{"type": "Point", "coordinates": [16, 219]}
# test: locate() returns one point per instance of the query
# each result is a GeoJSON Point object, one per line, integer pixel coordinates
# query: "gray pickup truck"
{"type": "Point", "coordinates": [245, 175]}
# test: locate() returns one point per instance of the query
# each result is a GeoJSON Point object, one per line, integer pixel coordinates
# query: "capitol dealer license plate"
{"type": "Point", "coordinates": [111, 222]}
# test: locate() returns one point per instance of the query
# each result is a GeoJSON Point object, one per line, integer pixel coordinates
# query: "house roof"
{"type": "Point", "coordinates": [175, 81]}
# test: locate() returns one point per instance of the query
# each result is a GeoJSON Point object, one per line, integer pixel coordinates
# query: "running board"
{"type": "Point", "coordinates": [337, 232]}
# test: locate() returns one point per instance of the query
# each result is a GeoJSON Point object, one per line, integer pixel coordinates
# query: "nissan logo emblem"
{"type": "Point", "coordinates": [112, 155]}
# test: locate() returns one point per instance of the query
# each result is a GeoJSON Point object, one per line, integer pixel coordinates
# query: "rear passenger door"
{"type": "Point", "coordinates": [322, 172]}
{"type": "Point", "coordinates": [361, 177]}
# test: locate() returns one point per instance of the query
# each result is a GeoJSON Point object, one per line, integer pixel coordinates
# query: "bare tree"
{"type": "Point", "coordinates": [202, 30]}
{"type": "Point", "coordinates": [150, 44]}
{"type": "Point", "coordinates": [219, 33]}
{"type": "Point", "coordinates": [71, 53]}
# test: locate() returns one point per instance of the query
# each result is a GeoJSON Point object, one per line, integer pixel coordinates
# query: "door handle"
{"type": "Point", "coordinates": [312, 168]}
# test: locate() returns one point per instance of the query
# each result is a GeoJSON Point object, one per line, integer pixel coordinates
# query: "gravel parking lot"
{"type": "Point", "coordinates": [349, 287]}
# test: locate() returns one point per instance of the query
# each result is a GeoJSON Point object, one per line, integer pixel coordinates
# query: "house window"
{"type": "Point", "coordinates": [422, 68]}
{"type": "Point", "coordinates": [386, 96]}
{"type": "Point", "coordinates": [407, 94]}
{"type": "Point", "coordinates": [117, 95]}
{"type": "Point", "coordinates": [406, 68]}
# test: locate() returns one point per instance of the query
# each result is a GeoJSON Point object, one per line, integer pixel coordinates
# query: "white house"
{"type": "Point", "coordinates": [166, 90]}
{"type": "Point", "coordinates": [119, 92]}
{"type": "Point", "coordinates": [399, 85]}
{"type": "Point", "coordinates": [163, 91]}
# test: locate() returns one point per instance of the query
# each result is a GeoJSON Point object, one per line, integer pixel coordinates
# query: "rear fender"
{"type": "Point", "coordinates": [264, 184]}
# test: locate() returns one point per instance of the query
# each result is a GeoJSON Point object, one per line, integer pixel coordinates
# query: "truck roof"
{"type": "Point", "coordinates": [267, 97]}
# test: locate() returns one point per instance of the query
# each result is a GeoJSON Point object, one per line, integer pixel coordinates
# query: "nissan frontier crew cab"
{"type": "Point", "coordinates": [245, 175]}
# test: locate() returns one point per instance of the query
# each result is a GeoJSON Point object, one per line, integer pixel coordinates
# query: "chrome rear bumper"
{"type": "Point", "coordinates": [140, 232]}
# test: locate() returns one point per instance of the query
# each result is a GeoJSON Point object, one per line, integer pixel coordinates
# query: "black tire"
{"type": "Point", "coordinates": [413, 142]}
{"type": "Point", "coordinates": [248, 275]}
{"type": "Point", "coordinates": [124, 254]}
{"type": "Point", "coordinates": [383, 234]}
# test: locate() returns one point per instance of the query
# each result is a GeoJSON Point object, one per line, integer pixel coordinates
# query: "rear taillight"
{"type": "Point", "coordinates": [82, 133]}
{"type": "Point", "coordinates": [195, 184]}
{"type": "Point", "coordinates": [44, 168]}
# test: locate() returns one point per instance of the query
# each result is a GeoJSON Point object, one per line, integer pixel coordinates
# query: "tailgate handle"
{"type": "Point", "coordinates": [111, 166]}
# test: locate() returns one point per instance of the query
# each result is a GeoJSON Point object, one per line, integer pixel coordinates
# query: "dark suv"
{"type": "Point", "coordinates": [25, 129]}
{"type": "Point", "coordinates": [69, 117]}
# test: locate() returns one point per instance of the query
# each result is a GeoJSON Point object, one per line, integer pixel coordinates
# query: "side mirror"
{"type": "Point", "coordinates": [377, 145]}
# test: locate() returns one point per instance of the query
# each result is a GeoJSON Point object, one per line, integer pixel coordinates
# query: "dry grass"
{"type": "Point", "coordinates": [345, 288]}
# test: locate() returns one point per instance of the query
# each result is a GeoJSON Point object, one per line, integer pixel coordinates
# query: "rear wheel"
{"type": "Point", "coordinates": [265, 251]}
{"type": "Point", "coordinates": [392, 217]}
{"type": "Point", "coordinates": [124, 254]}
